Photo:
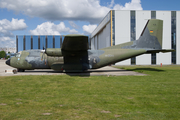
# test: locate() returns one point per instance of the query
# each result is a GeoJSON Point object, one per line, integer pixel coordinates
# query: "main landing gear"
{"type": "Point", "coordinates": [21, 70]}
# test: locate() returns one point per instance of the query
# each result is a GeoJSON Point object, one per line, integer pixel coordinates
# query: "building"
{"type": "Point", "coordinates": [11, 50]}
{"type": "Point", "coordinates": [27, 42]}
{"type": "Point", "coordinates": [123, 26]}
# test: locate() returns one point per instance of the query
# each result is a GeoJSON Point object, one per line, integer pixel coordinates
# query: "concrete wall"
{"type": "Point", "coordinates": [101, 25]}
{"type": "Point", "coordinates": [104, 37]}
{"type": "Point", "coordinates": [141, 19]}
{"type": "Point", "coordinates": [100, 37]}
{"type": "Point", "coordinates": [108, 35]}
{"type": "Point", "coordinates": [92, 44]}
{"type": "Point", "coordinates": [178, 37]}
{"type": "Point", "coordinates": [165, 58]}
{"type": "Point", "coordinates": [95, 43]}
{"type": "Point", "coordinates": [122, 30]}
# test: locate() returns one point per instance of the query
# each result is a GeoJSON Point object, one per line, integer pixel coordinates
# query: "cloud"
{"type": "Point", "coordinates": [83, 10]}
{"type": "Point", "coordinates": [13, 25]}
{"type": "Point", "coordinates": [111, 4]}
{"type": "Point", "coordinates": [88, 29]}
{"type": "Point", "coordinates": [7, 42]}
{"type": "Point", "coordinates": [49, 28]}
{"type": "Point", "coordinates": [73, 24]}
{"type": "Point", "coordinates": [6, 31]}
{"type": "Point", "coordinates": [6, 26]}
{"type": "Point", "coordinates": [133, 5]}
{"type": "Point", "coordinates": [73, 31]}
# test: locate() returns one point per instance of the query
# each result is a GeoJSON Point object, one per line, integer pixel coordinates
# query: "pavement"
{"type": "Point", "coordinates": [105, 71]}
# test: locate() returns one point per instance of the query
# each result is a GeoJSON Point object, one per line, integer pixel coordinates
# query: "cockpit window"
{"type": "Point", "coordinates": [17, 55]}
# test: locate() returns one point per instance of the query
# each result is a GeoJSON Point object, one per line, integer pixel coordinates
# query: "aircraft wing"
{"type": "Point", "coordinates": [75, 53]}
{"type": "Point", "coordinates": [74, 45]}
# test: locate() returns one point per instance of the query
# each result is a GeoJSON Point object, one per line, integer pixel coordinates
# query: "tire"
{"type": "Point", "coordinates": [21, 70]}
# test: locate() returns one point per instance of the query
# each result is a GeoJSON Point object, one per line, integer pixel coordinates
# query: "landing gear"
{"type": "Point", "coordinates": [21, 70]}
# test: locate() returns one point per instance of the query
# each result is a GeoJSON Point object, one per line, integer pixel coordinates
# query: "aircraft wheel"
{"type": "Point", "coordinates": [21, 70]}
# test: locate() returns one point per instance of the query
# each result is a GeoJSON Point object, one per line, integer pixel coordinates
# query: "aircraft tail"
{"type": "Point", "coordinates": [150, 39]}
{"type": "Point", "coordinates": [151, 36]}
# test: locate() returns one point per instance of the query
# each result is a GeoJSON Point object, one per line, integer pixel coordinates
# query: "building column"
{"type": "Point", "coordinates": [31, 42]}
{"type": "Point", "coordinates": [53, 41]}
{"type": "Point", "coordinates": [46, 42]}
{"type": "Point", "coordinates": [61, 41]}
{"type": "Point", "coordinates": [38, 42]}
{"type": "Point", "coordinates": [24, 41]}
{"type": "Point", "coordinates": [16, 44]}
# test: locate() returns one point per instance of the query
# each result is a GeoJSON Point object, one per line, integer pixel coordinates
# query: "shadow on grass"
{"type": "Point", "coordinates": [88, 73]}
{"type": "Point", "coordinates": [91, 72]}
{"type": "Point", "coordinates": [146, 69]}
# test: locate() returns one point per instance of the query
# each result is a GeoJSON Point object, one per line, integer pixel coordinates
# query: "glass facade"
{"type": "Point", "coordinates": [50, 42]}
{"type": "Point", "coordinates": [133, 32]}
{"type": "Point", "coordinates": [153, 14]}
{"type": "Point", "coordinates": [173, 36]}
{"type": "Point", "coordinates": [28, 42]}
{"type": "Point", "coordinates": [35, 42]}
{"type": "Point", "coordinates": [57, 42]}
{"type": "Point", "coordinates": [42, 42]}
{"type": "Point", "coordinates": [20, 43]}
{"type": "Point", "coordinates": [38, 42]}
{"type": "Point", "coordinates": [153, 55]}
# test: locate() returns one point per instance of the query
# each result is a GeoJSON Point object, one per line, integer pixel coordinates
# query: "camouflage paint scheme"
{"type": "Point", "coordinates": [74, 55]}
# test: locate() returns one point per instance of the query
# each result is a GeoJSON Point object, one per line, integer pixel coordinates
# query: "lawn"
{"type": "Point", "coordinates": [155, 96]}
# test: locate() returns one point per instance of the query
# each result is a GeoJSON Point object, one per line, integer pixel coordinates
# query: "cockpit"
{"type": "Point", "coordinates": [18, 54]}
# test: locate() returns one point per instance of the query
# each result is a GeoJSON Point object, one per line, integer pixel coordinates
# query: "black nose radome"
{"type": "Point", "coordinates": [8, 62]}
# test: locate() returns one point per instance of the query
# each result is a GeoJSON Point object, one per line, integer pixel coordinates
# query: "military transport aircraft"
{"type": "Point", "coordinates": [74, 55]}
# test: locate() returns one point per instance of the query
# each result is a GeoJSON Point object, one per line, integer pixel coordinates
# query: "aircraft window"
{"type": "Point", "coordinates": [17, 55]}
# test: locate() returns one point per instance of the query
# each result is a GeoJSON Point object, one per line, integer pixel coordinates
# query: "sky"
{"type": "Point", "coordinates": [62, 17]}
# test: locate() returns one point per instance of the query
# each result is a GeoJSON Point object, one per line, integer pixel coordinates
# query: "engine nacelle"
{"type": "Point", "coordinates": [54, 52]}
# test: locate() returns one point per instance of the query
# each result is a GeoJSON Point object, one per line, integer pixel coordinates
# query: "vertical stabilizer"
{"type": "Point", "coordinates": [151, 37]}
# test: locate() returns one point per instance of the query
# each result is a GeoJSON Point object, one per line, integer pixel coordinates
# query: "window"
{"type": "Point", "coordinates": [133, 32]}
{"type": "Point", "coordinates": [28, 42]}
{"type": "Point", "coordinates": [49, 41]}
{"type": "Point", "coordinates": [43, 42]}
{"type": "Point", "coordinates": [173, 36]}
{"type": "Point", "coordinates": [57, 42]}
{"type": "Point", "coordinates": [20, 43]}
{"type": "Point", "coordinates": [17, 55]}
{"type": "Point", "coordinates": [35, 42]}
{"type": "Point", "coordinates": [153, 55]}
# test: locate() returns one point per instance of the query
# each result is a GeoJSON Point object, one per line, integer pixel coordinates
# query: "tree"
{"type": "Point", "coordinates": [7, 57]}
{"type": "Point", "coordinates": [2, 54]}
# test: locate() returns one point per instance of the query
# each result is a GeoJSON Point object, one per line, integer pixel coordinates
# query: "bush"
{"type": "Point", "coordinates": [2, 54]}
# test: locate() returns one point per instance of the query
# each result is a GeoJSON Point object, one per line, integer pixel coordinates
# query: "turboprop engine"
{"type": "Point", "coordinates": [54, 52]}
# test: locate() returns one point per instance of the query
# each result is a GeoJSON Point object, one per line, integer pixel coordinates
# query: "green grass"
{"type": "Point", "coordinates": [155, 96]}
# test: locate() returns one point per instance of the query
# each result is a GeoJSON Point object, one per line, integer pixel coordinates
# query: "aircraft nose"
{"type": "Point", "coordinates": [8, 62]}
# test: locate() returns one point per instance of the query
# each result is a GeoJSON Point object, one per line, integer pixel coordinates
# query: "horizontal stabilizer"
{"type": "Point", "coordinates": [162, 50]}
